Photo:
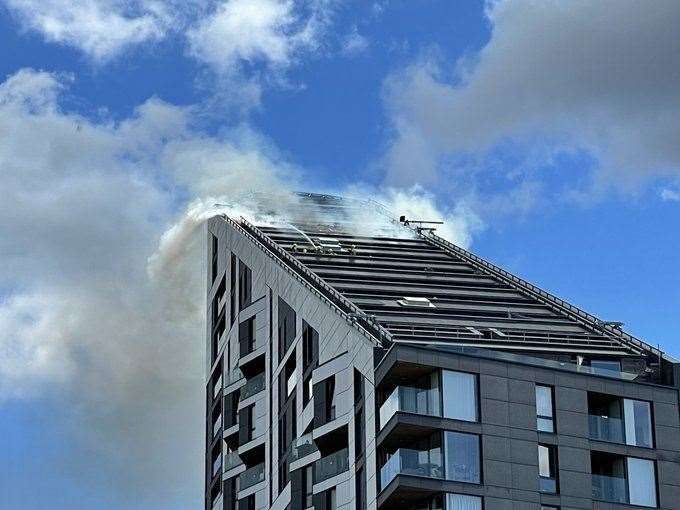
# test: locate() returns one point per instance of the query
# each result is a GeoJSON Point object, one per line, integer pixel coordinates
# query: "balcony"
{"type": "Point", "coordinates": [302, 446]}
{"type": "Point", "coordinates": [604, 428]}
{"type": "Point", "coordinates": [406, 461]}
{"type": "Point", "coordinates": [613, 489]}
{"type": "Point", "coordinates": [331, 465]}
{"type": "Point", "coordinates": [253, 386]}
{"type": "Point", "coordinates": [251, 476]}
{"type": "Point", "coordinates": [410, 400]}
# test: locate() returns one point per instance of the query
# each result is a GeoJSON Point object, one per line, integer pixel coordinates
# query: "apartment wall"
{"type": "Point", "coordinates": [342, 348]}
{"type": "Point", "coordinates": [509, 436]}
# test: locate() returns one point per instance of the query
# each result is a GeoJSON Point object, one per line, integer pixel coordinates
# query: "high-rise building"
{"type": "Point", "coordinates": [355, 367]}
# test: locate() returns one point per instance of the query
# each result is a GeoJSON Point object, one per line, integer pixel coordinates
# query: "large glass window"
{"type": "Point", "coordinates": [463, 502]}
{"type": "Point", "coordinates": [459, 395]}
{"type": "Point", "coordinates": [605, 367]}
{"type": "Point", "coordinates": [461, 454]}
{"type": "Point", "coordinates": [544, 409]}
{"type": "Point", "coordinates": [308, 484]}
{"type": "Point", "coordinates": [245, 285]}
{"type": "Point", "coordinates": [287, 320]}
{"type": "Point", "coordinates": [641, 482]}
{"type": "Point", "coordinates": [638, 422]}
{"type": "Point", "coordinates": [547, 468]}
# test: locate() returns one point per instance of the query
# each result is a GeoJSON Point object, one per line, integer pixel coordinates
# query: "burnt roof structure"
{"type": "Point", "coordinates": [406, 284]}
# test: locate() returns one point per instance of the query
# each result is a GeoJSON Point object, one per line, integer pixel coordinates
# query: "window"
{"type": "Point", "coordinates": [310, 345]}
{"type": "Point", "coordinates": [286, 327]}
{"type": "Point", "coordinates": [459, 395]}
{"type": "Point", "coordinates": [461, 454]}
{"type": "Point", "coordinates": [638, 422]}
{"type": "Point", "coordinates": [641, 482]}
{"type": "Point", "coordinates": [359, 435]}
{"type": "Point", "coordinates": [307, 388]}
{"type": "Point", "coordinates": [463, 502]}
{"type": "Point", "coordinates": [358, 386]}
{"type": "Point", "coordinates": [283, 474]}
{"type": "Point", "coordinates": [433, 503]}
{"type": "Point", "coordinates": [360, 481]}
{"type": "Point", "coordinates": [331, 501]}
{"type": "Point", "coordinates": [324, 401]}
{"type": "Point", "coordinates": [307, 486]}
{"type": "Point", "coordinates": [214, 247]}
{"type": "Point", "coordinates": [544, 507]}
{"type": "Point", "coordinates": [246, 336]}
{"type": "Point", "coordinates": [544, 409]}
{"type": "Point", "coordinates": [605, 367]}
{"type": "Point", "coordinates": [245, 285]}
{"type": "Point", "coordinates": [620, 479]}
{"type": "Point", "coordinates": [330, 399]}
{"type": "Point", "coordinates": [247, 503]}
{"type": "Point", "coordinates": [547, 468]}
{"type": "Point", "coordinates": [232, 290]}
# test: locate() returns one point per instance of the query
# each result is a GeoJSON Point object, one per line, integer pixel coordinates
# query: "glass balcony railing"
{"type": "Point", "coordinates": [603, 428]}
{"type": "Point", "coordinates": [302, 446]}
{"type": "Point", "coordinates": [251, 476]}
{"type": "Point", "coordinates": [613, 489]}
{"type": "Point", "coordinates": [411, 462]}
{"type": "Point", "coordinates": [253, 386]}
{"type": "Point", "coordinates": [411, 400]}
{"type": "Point", "coordinates": [232, 460]}
{"type": "Point", "coordinates": [331, 465]}
{"type": "Point", "coordinates": [548, 485]}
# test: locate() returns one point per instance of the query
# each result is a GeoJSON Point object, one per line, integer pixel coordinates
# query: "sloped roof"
{"type": "Point", "coordinates": [468, 301]}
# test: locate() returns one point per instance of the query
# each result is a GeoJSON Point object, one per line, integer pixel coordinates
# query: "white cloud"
{"type": "Point", "coordinates": [247, 30]}
{"type": "Point", "coordinates": [670, 195]}
{"type": "Point", "coordinates": [101, 29]}
{"type": "Point", "coordinates": [221, 33]}
{"type": "Point", "coordinates": [354, 43]}
{"type": "Point", "coordinates": [595, 76]}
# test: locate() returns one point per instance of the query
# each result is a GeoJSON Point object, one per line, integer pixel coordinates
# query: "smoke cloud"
{"type": "Point", "coordinates": [102, 283]}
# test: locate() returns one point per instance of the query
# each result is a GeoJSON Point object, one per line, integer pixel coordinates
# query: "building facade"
{"type": "Point", "coordinates": [352, 371]}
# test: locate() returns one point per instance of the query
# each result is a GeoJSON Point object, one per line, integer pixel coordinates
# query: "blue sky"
{"type": "Point", "coordinates": [544, 139]}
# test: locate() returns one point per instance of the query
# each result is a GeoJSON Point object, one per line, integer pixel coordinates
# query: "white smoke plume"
{"type": "Point", "coordinates": [102, 284]}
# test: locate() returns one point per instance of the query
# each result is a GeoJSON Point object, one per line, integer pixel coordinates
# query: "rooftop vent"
{"type": "Point", "coordinates": [328, 242]}
{"type": "Point", "coordinates": [421, 302]}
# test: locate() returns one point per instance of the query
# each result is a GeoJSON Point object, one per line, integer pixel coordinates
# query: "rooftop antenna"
{"type": "Point", "coordinates": [419, 224]}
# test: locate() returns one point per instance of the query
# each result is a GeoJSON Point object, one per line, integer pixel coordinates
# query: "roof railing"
{"type": "Point", "coordinates": [521, 285]}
